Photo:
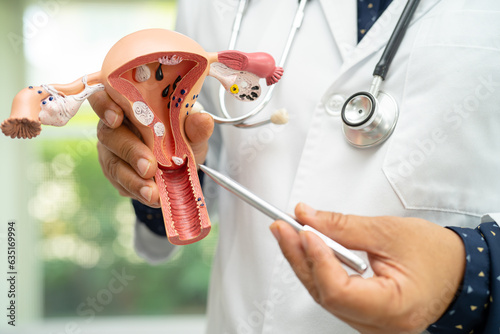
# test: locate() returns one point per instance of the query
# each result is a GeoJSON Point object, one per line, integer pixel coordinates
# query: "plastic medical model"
{"type": "Point", "coordinates": [155, 76]}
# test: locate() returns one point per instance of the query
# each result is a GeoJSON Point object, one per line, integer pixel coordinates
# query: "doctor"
{"type": "Point", "coordinates": [439, 165]}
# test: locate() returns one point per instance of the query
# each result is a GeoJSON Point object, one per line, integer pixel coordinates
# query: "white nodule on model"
{"type": "Point", "coordinates": [178, 161]}
{"type": "Point", "coordinates": [58, 109]}
{"type": "Point", "coordinates": [280, 116]}
{"type": "Point", "coordinates": [142, 73]}
{"type": "Point", "coordinates": [142, 112]}
{"type": "Point", "coordinates": [159, 129]}
{"type": "Point", "coordinates": [172, 60]}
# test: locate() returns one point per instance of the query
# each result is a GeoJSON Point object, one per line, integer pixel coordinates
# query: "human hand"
{"type": "Point", "coordinates": [126, 161]}
{"type": "Point", "coordinates": [418, 267]}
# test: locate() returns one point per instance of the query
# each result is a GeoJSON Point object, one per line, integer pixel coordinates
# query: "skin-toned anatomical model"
{"type": "Point", "coordinates": [155, 76]}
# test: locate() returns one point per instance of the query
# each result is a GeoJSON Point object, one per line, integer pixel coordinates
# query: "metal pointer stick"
{"type": "Point", "coordinates": [343, 254]}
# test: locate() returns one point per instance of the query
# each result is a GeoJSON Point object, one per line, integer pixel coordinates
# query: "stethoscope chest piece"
{"type": "Point", "coordinates": [369, 121]}
{"type": "Point", "coordinates": [369, 118]}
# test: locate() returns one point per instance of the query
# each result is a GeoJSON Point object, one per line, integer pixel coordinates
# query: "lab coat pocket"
{"type": "Point", "coordinates": [444, 153]}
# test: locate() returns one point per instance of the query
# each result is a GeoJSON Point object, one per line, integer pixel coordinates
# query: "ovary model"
{"type": "Point", "coordinates": [155, 76]}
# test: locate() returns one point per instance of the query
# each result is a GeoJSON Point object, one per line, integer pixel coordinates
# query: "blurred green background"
{"type": "Point", "coordinates": [87, 232]}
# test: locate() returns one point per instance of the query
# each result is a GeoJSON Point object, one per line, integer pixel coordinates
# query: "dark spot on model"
{"type": "Point", "coordinates": [179, 78]}
{"type": "Point", "coordinates": [159, 73]}
{"type": "Point", "coordinates": [165, 91]}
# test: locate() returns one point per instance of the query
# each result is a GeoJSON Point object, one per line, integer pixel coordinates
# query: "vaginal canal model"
{"type": "Point", "coordinates": [155, 76]}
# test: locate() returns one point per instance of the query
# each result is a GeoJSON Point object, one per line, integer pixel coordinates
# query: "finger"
{"type": "Point", "coordinates": [291, 246]}
{"type": "Point", "coordinates": [354, 232]}
{"type": "Point", "coordinates": [122, 191]}
{"type": "Point", "coordinates": [106, 109]}
{"type": "Point", "coordinates": [349, 296]}
{"type": "Point", "coordinates": [129, 148]}
{"type": "Point", "coordinates": [104, 155]}
{"type": "Point", "coordinates": [126, 180]}
{"type": "Point", "coordinates": [199, 127]}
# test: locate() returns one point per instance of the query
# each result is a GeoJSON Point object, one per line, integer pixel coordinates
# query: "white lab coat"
{"type": "Point", "coordinates": [441, 163]}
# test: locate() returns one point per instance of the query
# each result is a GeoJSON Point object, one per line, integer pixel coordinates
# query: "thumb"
{"type": "Point", "coordinates": [199, 127]}
{"type": "Point", "coordinates": [354, 232]}
{"type": "Point", "coordinates": [107, 109]}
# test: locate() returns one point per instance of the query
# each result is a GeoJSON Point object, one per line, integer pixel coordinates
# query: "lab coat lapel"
{"type": "Point", "coordinates": [342, 19]}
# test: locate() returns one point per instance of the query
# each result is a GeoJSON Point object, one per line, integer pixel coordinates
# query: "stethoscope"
{"type": "Point", "coordinates": [280, 116]}
{"type": "Point", "coordinates": [368, 118]}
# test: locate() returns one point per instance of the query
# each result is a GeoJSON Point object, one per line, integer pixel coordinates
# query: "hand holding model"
{"type": "Point", "coordinates": [154, 76]}
{"type": "Point", "coordinates": [416, 274]}
{"type": "Point", "coordinates": [126, 161]}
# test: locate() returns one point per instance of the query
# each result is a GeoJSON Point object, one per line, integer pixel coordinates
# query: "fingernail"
{"type": "Point", "coordinates": [146, 193]}
{"type": "Point", "coordinates": [276, 231]}
{"type": "Point", "coordinates": [303, 239]}
{"type": "Point", "coordinates": [143, 166]}
{"type": "Point", "coordinates": [110, 117]}
{"type": "Point", "coordinates": [307, 210]}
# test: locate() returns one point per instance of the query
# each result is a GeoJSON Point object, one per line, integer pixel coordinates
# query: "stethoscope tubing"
{"type": "Point", "coordinates": [396, 38]}
{"type": "Point", "coordinates": [376, 124]}
{"type": "Point", "coordinates": [239, 121]}
{"type": "Point", "coordinates": [379, 73]}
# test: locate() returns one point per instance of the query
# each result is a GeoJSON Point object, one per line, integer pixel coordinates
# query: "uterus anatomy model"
{"type": "Point", "coordinates": [155, 76]}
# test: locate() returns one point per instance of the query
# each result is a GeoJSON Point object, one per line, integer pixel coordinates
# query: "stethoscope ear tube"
{"type": "Point", "coordinates": [237, 24]}
{"type": "Point", "coordinates": [397, 36]}
{"type": "Point", "coordinates": [240, 121]}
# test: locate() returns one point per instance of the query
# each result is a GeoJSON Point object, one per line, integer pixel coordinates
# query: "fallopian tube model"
{"type": "Point", "coordinates": [155, 76]}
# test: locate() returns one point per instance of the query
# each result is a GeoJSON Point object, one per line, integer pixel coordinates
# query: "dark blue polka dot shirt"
{"type": "Point", "coordinates": [368, 12]}
{"type": "Point", "coordinates": [476, 308]}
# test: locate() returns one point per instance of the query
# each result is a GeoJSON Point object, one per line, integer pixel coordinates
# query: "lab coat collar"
{"type": "Point", "coordinates": [342, 19]}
